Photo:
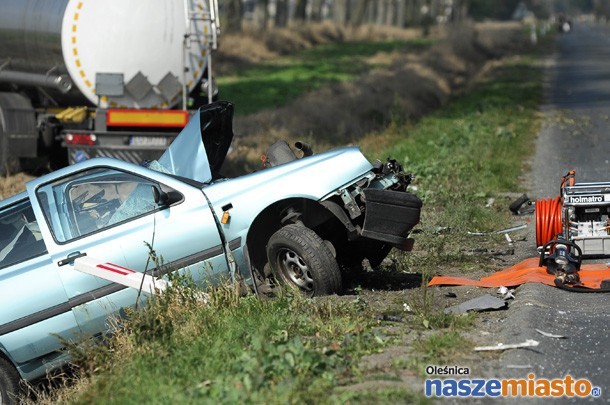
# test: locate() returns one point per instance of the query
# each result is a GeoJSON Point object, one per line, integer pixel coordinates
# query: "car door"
{"type": "Point", "coordinates": [34, 315]}
{"type": "Point", "coordinates": [108, 211]}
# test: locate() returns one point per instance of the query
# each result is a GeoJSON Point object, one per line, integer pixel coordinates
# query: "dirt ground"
{"type": "Point", "coordinates": [11, 185]}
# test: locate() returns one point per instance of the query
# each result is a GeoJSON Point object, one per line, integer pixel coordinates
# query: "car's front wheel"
{"type": "Point", "coordinates": [301, 259]}
{"type": "Point", "coordinates": [9, 383]}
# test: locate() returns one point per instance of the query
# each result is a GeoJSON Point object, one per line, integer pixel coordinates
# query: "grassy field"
{"type": "Point", "coordinates": [273, 83]}
{"type": "Point", "coordinates": [473, 149]}
{"type": "Point", "coordinates": [293, 350]}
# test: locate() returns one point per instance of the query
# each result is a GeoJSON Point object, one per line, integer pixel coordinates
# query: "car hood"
{"type": "Point", "coordinates": [199, 150]}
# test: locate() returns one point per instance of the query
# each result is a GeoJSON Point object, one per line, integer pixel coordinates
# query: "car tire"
{"type": "Point", "coordinates": [300, 259]}
{"type": "Point", "coordinates": [9, 383]}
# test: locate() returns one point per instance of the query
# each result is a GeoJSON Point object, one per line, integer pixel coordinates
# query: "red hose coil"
{"type": "Point", "coordinates": [548, 220]}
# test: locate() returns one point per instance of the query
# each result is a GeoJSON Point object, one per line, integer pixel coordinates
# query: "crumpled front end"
{"type": "Point", "coordinates": [390, 216]}
{"type": "Point", "coordinates": [379, 206]}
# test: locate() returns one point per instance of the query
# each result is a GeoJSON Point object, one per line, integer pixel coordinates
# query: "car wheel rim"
{"type": "Point", "coordinates": [294, 269]}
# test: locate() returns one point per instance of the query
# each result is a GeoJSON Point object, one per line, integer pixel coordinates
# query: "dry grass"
{"type": "Point", "coordinates": [250, 47]}
{"type": "Point", "coordinates": [11, 185]}
{"type": "Point", "coordinates": [410, 87]}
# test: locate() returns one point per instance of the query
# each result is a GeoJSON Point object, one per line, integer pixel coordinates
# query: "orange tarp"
{"type": "Point", "coordinates": [591, 276]}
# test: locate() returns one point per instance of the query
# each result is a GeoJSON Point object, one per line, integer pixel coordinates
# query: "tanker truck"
{"type": "Point", "coordinates": [88, 78]}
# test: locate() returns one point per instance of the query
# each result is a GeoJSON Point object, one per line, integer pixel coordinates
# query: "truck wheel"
{"type": "Point", "coordinates": [299, 258]}
{"type": "Point", "coordinates": [9, 383]}
{"type": "Point", "coordinates": [17, 118]}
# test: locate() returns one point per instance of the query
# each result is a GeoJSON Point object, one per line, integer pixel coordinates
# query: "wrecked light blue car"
{"type": "Point", "coordinates": [300, 222]}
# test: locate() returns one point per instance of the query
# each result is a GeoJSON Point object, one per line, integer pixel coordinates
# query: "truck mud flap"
{"type": "Point", "coordinates": [18, 132]}
{"type": "Point", "coordinates": [390, 216]}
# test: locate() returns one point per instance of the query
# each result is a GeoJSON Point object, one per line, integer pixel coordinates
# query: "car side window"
{"type": "Point", "coordinates": [93, 200]}
{"type": "Point", "coordinates": [20, 237]}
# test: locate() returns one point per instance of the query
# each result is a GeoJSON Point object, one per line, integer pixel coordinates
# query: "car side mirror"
{"type": "Point", "coordinates": [163, 198]}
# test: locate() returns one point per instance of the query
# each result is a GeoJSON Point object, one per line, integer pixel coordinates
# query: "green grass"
{"type": "Point", "coordinates": [438, 348]}
{"type": "Point", "coordinates": [385, 396]}
{"type": "Point", "coordinates": [273, 84]}
{"type": "Point", "coordinates": [475, 147]}
{"type": "Point", "coordinates": [233, 350]}
{"type": "Point", "coordinates": [472, 150]}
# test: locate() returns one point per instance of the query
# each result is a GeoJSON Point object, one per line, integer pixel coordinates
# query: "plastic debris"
{"type": "Point", "coordinates": [434, 230]}
{"type": "Point", "coordinates": [502, 346]}
{"type": "Point", "coordinates": [550, 334]}
{"type": "Point", "coordinates": [390, 318]}
{"type": "Point", "coordinates": [485, 251]}
{"type": "Point", "coordinates": [522, 205]}
{"type": "Point", "coordinates": [506, 230]}
{"type": "Point", "coordinates": [483, 303]}
{"type": "Point", "coordinates": [512, 229]}
{"type": "Point", "coordinates": [505, 293]}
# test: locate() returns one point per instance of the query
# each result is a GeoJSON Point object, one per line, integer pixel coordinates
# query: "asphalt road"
{"type": "Point", "coordinates": [576, 135]}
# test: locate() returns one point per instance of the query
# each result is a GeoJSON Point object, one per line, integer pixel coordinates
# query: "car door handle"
{"type": "Point", "coordinates": [70, 258]}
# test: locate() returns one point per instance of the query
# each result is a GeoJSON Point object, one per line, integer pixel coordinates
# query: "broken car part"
{"type": "Point", "coordinates": [500, 231]}
{"type": "Point", "coordinates": [502, 346]}
{"type": "Point", "coordinates": [484, 303]}
{"type": "Point", "coordinates": [522, 205]}
{"type": "Point", "coordinates": [551, 335]}
{"type": "Point", "coordinates": [506, 293]}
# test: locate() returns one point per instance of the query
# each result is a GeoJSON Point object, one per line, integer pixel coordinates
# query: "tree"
{"type": "Point", "coordinates": [281, 13]}
{"type": "Point", "coordinates": [261, 14]}
{"type": "Point", "coordinates": [341, 11]}
{"type": "Point", "coordinates": [234, 13]}
{"type": "Point", "coordinates": [400, 13]}
{"type": "Point", "coordinates": [300, 11]}
{"type": "Point", "coordinates": [316, 10]}
{"type": "Point", "coordinates": [360, 12]}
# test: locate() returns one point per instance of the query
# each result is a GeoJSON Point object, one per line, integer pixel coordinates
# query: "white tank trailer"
{"type": "Point", "coordinates": [101, 77]}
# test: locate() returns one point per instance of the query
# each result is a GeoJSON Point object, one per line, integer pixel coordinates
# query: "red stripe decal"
{"type": "Point", "coordinates": [119, 271]}
{"type": "Point", "coordinates": [121, 267]}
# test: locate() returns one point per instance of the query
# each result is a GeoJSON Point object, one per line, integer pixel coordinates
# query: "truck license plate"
{"type": "Point", "coordinates": [148, 141]}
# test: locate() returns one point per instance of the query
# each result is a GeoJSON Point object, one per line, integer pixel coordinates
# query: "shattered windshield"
{"type": "Point", "coordinates": [20, 237]}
